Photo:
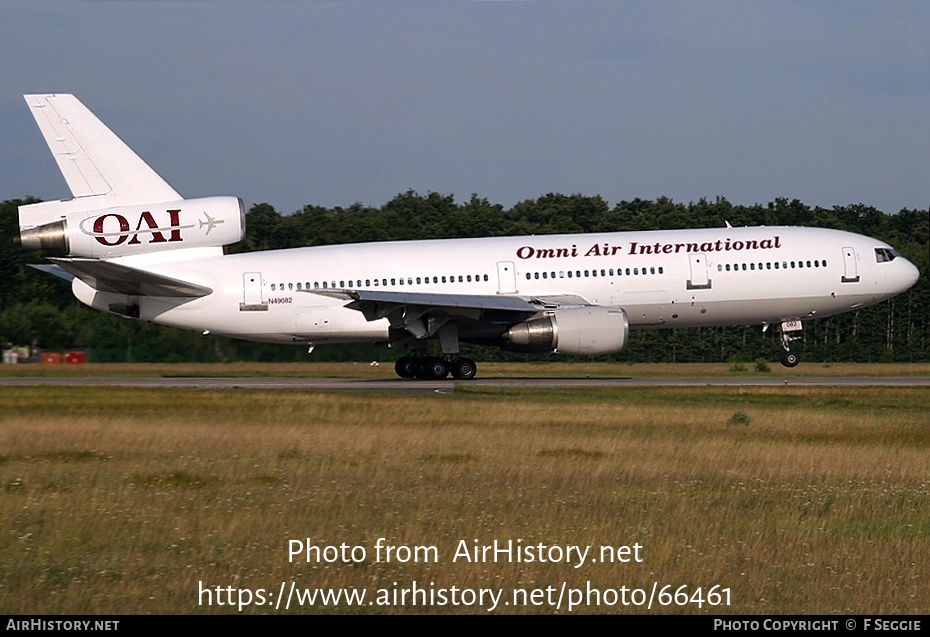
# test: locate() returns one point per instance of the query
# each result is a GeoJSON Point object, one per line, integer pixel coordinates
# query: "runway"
{"type": "Point", "coordinates": [449, 386]}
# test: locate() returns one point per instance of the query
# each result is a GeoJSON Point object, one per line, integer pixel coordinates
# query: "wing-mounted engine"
{"type": "Point", "coordinates": [584, 331]}
{"type": "Point", "coordinates": [134, 229]}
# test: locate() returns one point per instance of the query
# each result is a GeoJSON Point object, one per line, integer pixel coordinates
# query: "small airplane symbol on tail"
{"type": "Point", "coordinates": [210, 222]}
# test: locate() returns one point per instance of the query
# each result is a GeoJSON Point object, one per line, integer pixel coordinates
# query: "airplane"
{"type": "Point", "coordinates": [134, 247]}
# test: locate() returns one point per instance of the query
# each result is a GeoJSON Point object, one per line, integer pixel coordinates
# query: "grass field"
{"type": "Point", "coordinates": [796, 500]}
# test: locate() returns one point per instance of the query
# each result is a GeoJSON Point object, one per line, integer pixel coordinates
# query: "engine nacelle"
{"type": "Point", "coordinates": [208, 222]}
{"type": "Point", "coordinates": [583, 331]}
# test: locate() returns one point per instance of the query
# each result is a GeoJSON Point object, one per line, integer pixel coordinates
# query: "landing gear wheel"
{"type": "Point", "coordinates": [405, 367]}
{"type": "Point", "coordinates": [789, 358]}
{"type": "Point", "coordinates": [464, 369]}
{"type": "Point", "coordinates": [433, 369]}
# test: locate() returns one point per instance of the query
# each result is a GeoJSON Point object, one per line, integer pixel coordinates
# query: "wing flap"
{"type": "Point", "coordinates": [107, 276]}
{"type": "Point", "coordinates": [379, 304]}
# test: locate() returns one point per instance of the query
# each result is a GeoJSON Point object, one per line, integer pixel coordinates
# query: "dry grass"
{"type": "Point", "coordinates": [122, 501]}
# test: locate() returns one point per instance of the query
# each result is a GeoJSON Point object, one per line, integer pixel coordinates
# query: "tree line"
{"type": "Point", "coordinates": [37, 309]}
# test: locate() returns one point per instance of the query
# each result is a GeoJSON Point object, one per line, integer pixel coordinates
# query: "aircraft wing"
{"type": "Point", "coordinates": [107, 276]}
{"type": "Point", "coordinates": [423, 313]}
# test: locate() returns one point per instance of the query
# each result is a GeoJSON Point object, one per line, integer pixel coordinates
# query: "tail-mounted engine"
{"type": "Point", "coordinates": [583, 331]}
{"type": "Point", "coordinates": [127, 230]}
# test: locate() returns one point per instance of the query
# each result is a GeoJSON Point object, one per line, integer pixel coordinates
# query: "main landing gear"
{"type": "Point", "coordinates": [426, 367]}
{"type": "Point", "coordinates": [435, 367]}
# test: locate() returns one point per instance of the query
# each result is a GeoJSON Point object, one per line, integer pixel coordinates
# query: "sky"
{"type": "Point", "coordinates": [337, 103]}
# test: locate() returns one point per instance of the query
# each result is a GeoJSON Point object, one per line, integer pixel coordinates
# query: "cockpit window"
{"type": "Point", "coordinates": [883, 255]}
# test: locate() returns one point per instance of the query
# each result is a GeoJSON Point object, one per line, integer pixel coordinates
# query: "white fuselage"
{"type": "Point", "coordinates": [662, 279]}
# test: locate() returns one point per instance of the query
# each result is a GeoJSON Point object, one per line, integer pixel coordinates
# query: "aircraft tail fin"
{"type": "Point", "coordinates": [92, 159]}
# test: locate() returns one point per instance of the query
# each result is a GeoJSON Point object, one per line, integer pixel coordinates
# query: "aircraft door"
{"type": "Point", "coordinates": [699, 279]}
{"type": "Point", "coordinates": [506, 278]}
{"type": "Point", "coordinates": [850, 266]}
{"type": "Point", "coordinates": [252, 293]}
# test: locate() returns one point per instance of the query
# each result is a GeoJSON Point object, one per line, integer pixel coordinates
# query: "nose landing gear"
{"type": "Point", "coordinates": [789, 357]}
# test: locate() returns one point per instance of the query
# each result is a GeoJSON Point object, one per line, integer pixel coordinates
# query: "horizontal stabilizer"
{"type": "Point", "coordinates": [107, 276]}
{"type": "Point", "coordinates": [54, 270]}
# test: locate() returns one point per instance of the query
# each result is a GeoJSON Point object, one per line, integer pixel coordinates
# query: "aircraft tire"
{"type": "Point", "coordinates": [435, 369]}
{"type": "Point", "coordinates": [405, 367]}
{"type": "Point", "coordinates": [789, 358]}
{"type": "Point", "coordinates": [464, 369]}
